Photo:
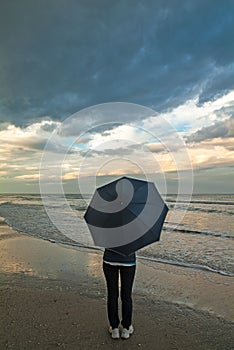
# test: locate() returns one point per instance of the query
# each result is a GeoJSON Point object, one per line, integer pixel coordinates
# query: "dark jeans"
{"type": "Point", "coordinates": [127, 274]}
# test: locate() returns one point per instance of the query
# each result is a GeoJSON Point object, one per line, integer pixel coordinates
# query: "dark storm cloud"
{"type": "Point", "coordinates": [223, 129]}
{"type": "Point", "coordinates": [219, 83]}
{"type": "Point", "coordinates": [60, 56]}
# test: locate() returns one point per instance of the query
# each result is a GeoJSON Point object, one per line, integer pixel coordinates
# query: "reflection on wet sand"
{"type": "Point", "coordinates": [35, 257]}
{"type": "Point", "coordinates": [160, 282]}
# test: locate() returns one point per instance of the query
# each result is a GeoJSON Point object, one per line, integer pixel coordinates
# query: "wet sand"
{"type": "Point", "coordinates": [55, 297]}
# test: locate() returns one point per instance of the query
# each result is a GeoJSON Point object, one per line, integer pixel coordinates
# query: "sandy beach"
{"type": "Point", "coordinates": [55, 297]}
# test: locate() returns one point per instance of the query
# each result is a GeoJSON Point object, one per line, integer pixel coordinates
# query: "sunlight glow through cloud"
{"type": "Point", "coordinates": [28, 143]}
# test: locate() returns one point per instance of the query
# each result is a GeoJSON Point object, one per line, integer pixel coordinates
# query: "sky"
{"type": "Point", "coordinates": [60, 58]}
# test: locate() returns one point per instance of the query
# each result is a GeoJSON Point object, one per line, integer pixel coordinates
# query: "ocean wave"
{"type": "Point", "coordinates": [184, 264]}
{"type": "Point", "coordinates": [154, 259]}
{"type": "Point", "coordinates": [73, 244]}
{"type": "Point", "coordinates": [196, 232]}
{"type": "Point", "coordinates": [202, 210]}
{"type": "Point", "coordinates": [200, 202]}
{"type": "Point", "coordinates": [147, 258]}
{"type": "Point", "coordinates": [211, 210]}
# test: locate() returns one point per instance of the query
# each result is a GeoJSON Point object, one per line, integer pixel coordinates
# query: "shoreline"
{"type": "Point", "coordinates": [60, 260]}
{"type": "Point", "coordinates": [76, 245]}
{"type": "Point", "coordinates": [35, 272]}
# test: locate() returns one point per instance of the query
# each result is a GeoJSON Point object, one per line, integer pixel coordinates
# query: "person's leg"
{"type": "Point", "coordinates": [112, 281]}
{"type": "Point", "coordinates": [127, 274]}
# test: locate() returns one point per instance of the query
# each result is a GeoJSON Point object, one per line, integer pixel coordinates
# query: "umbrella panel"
{"type": "Point", "coordinates": [151, 236]}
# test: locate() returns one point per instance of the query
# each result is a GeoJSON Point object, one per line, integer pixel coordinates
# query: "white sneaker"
{"type": "Point", "coordinates": [127, 332]}
{"type": "Point", "coordinates": [114, 333]}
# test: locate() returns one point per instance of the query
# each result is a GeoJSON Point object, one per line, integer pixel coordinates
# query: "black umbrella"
{"type": "Point", "coordinates": [126, 215]}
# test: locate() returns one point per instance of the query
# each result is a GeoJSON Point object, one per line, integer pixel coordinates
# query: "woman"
{"type": "Point", "coordinates": [114, 265]}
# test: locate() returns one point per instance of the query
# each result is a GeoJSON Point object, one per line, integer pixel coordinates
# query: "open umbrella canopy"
{"type": "Point", "coordinates": [126, 215]}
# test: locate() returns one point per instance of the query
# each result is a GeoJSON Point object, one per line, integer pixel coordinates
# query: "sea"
{"type": "Point", "coordinates": [203, 237]}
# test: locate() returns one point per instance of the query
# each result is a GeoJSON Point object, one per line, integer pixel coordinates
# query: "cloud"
{"type": "Point", "coordinates": [217, 143]}
{"type": "Point", "coordinates": [83, 140]}
{"type": "Point", "coordinates": [215, 86]}
{"type": "Point", "coordinates": [32, 138]}
{"type": "Point", "coordinates": [58, 59]}
{"type": "Point", "coordinates": [103, 119]}
{"type": "Point", "coordinates": [16, 137]}
{"type": "Point", "coordinates": [28, 177]}
{"type": "Point", "coordinates": [70, 176]}
{"type": "Point", "coordinates": [4, 125]}
{"type": "Point", "coordinates": [212, 153]}
{"type": "Point", "coordinates": [223, 129]}
{"type": "Point", "coordinates": [3, 172]}
{"type": "Point", "coordinates": [49, 126]}
{"type": "Point", "coordinates": [156, 147]}
{"type": "Point", "coordinates": [191, 116]}
{"type": "Point", "coordinates": [111, 152]}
